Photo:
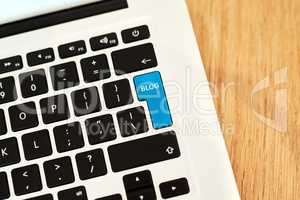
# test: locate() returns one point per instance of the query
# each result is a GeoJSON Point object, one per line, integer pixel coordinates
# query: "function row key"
{"type": "Point", "coordinates": [104, 41]}
{"type": "Point", "coordinates": [40, 57]}
{"type": "Point", "coordinates": [11, 64]}
{"type": "Point", "coordinates": [135, 34]}
{"type": "Point", "coordinates": [72, 49]}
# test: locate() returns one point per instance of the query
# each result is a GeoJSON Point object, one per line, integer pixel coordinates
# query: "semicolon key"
{"type": "Point", "coordinates": [149, 88]}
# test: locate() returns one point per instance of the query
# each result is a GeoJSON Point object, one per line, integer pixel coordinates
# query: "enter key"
{"type": "Point", "coordinates": [149, 88]}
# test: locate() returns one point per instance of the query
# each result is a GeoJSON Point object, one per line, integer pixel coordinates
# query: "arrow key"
{"type": "Point", "coordinates": [174, 188]}
{"type": "Point", "coordinates": [26, 180]}
{"type": "Point", "coordinates": [138, 180]}
{"type": "Point", "coordinates": [144, 194]}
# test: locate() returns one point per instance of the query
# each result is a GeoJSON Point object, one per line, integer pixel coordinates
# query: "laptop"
{"type": "Point", "coordinates": [106, 100]}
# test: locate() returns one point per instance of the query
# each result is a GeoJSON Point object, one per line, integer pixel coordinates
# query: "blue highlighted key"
{"type": "Point", "coordinates": [149, 88]}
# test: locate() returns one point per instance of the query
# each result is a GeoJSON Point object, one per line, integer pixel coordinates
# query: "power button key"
{"type": "Point", "coordinates": [136, 34]}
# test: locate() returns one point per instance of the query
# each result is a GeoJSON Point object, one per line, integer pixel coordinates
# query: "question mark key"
{"type": "Point", "coordinates": [91, 164]}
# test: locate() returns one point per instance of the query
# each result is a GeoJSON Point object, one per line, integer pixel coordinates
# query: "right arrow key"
{"type": "Point", "coordinates": [174, 188]}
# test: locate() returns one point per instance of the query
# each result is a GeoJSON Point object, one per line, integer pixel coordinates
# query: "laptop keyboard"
{"type": "Point", "coordinates": [69, 136]}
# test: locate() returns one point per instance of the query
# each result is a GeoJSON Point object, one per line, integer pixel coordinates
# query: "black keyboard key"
{"type": "Point", "coordinates": [132, 121]}
{"type": "Point", "coordinates": [59, 172]}
{"type": "Point", "coordinates": [100, 129]}
{"type": "Point", "coordinates": [95, 68]}
{"type": "Point", "coordinates": [104, 41]}
{"type": "Point", "coordinates": [138, 180]}
{"type": "Point", "coordinates": [174, 188]}
{"type": "Point", "coordinates": [8, 91]}
{"type": "Point", "coordinates": [37, 145]}
{"type": "Point", "coordinates": [11, 64]}
{"type": "Point", "coordinates": [78, 193]}
{"type": "Point", "coordinates": [135, 34]}
{"type": "Point", "coordinates": [33, 83]}
{"type": "Point", "coordinates": [117, 93]}
{"type": "Point", "coordinates": [91, 164]}
{"type": "Point", "coordinates": [23, 116]}
{"type": "Point", "coordinates": [64, 76]}
{"type": "Point", "coordinates": [144, 194]}
{"type": "Point", "coordinates": [134, 59]}
{"type": "Point", "coordinates": [40, 57]}
{"type": "Point", "coordinates": [55, 109]}
{"type": "Point", "coordinates": [26, 180]}
{"type": "Point", "coordinates": [144, 151]}
{"type": "Point", "coordinates": [9, 152]}
{"type": "Point", "coordinates": [3, 127]}
{"type": "Point", "coordinates": [86, 101]}
{"type": "Point", "coordinates": [68, 137]}
{"type": "Point", "coordinates": [4, 189]}
{"type": "Point", "coordinates": [43, 197]}
{"type": "Point", "coordinates": [72, 49]}
{"type": "Point", "coordinates": [112, 197]}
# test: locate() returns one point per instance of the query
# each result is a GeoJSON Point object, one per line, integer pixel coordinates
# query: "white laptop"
{"type": "Point", "coordinates": [106, 100]}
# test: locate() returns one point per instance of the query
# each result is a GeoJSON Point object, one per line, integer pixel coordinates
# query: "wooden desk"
{"type": "Point", "coordinates": [242, 42]}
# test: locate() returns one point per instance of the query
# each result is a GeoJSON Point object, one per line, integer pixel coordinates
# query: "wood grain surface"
{"type": "Point", "coordinates": [246, 44]}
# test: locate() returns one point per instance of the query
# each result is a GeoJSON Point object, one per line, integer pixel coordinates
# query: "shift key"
{"type": "Point", "coordinates": [144, 151]}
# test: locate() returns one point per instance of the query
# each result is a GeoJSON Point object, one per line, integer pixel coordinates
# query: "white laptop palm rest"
{"type": "Point", "coordinates": [106, 100]}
